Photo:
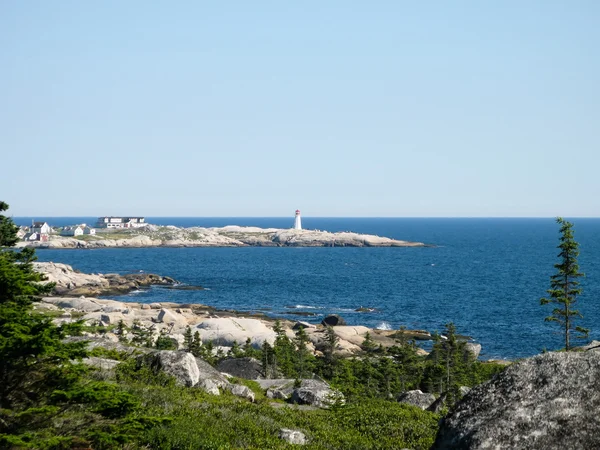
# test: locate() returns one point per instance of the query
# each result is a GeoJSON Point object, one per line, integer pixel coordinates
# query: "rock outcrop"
{"type": "Point", "coordinates": [69, 282]}
{"type": "Point", "coordinates": [227, 330]}
{"type": "Point", "coordinates": [248, 368]}
{"type": "Point", "coordinates": [417, 398]}
{"type": "Point", "coordinates": [181, 365]}
{"type": "Point", "coordinates": [210, 379]}
{"type": "Point", "coordinates": [294, 437]}
{"type": "Point", "coordinates": [307, 392]}
{"type": "Point", "coordinates": [333, 320]}
{"type": "Point", "coordinates": [546, 402]}
{"type": "Point", "coordinates": [316, 393]}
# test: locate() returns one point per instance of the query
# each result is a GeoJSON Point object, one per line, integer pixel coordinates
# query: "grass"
{"type": "Point", "coordinates": [199, 420]}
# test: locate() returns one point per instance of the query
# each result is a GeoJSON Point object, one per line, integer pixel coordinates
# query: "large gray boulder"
{"type": "Point", "coordinates": [248, 368]}
{"type": "Point", "coordinates": [316, 393]}
{"type": "Point", "coordinates": [242, 391]}
{"type": "Point", "coordinates": [294, 437]}
{"type": "Point", "coordinates": [417, 398]}
{"type": "Point", "coordinates": [209, 378]}
{"type": "Point", "coordinates": [181, 365]}
{"type": "Point", "coordinates": [546, 402]}
{"type": "Point", "coordinates": [280, 388]}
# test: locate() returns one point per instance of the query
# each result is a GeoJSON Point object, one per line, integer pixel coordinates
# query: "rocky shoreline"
{"type": "Point", "coordinates": [75, 297]}
{"type": "Point", "coordinates": [229, 236]}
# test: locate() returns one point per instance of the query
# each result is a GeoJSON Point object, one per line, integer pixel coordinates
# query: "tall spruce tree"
{"type": "Point", "coordinates": [35, 362]}
{"type": "Point", "coordinates": [564, 286]}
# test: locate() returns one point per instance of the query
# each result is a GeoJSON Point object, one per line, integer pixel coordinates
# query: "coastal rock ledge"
{"type": "Point", "coordinates": [229, 236]}
{"type": "Point", "coordinates": [547, 402]}
{"type": "Point", "coordinates": [70, 282]}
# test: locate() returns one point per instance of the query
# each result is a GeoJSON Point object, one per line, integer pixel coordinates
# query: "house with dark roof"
{"type": "Point", "coordinates": [120, 222]}
{"type": "Point", "coordinates": [40, 227]}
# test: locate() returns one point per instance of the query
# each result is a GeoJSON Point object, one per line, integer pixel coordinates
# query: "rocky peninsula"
{"type": "Point", "coordinates": [229, 236]}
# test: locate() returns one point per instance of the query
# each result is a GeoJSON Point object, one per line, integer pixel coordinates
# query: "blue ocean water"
{"type": "Point", "coordinates": [485, 275]}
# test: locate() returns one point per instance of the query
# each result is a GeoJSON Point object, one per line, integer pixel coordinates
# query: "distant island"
{"type": "Point", "coordinates": [150, 235]}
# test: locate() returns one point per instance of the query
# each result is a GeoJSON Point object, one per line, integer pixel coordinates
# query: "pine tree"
{"type": "Point", "coordinates": [249, 351]}
{"type": "Point", "coordinates": [8, 230]}
{"type": "Point", "coordinates": [303, 360]}
{"type": "Point", "coordinates": [330, 359]}
{"type": "Point", "coordinates": [196, 345]}
{"type": "Point", "coordinates": [564, 286]}
{"type": "Point", "coordinates": [188, 339]}
{"type": "Point", "coordinates": [39, 380]}
{"type": "Point", "coordinates": [283, 350]}
{"type": "Point", "coordinates": [369, 346]}
{"type": "Point", "coordinates": [235, 351]}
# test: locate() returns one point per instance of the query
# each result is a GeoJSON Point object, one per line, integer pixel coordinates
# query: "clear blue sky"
{"type": "Point", "coordinates": [339, 108]}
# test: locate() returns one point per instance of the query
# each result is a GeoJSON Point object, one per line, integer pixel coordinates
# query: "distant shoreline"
{"type": "Point", "coordinates": [229, 236]}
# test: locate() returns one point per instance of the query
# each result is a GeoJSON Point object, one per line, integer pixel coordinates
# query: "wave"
{"type": "Point", "coordinates": [384, 326]}
{"type": "Point", "coordinates": [304, 307]}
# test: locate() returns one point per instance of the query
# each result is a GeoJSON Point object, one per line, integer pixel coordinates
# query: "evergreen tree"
{"type": "Point", "coordinates": [268, 361]}
{"type": "Point", "coordinates": [303, 359]}
{"type": "Point", "coordinates": [196, 345]}
{"type": "Point", "coordinates": [40, 381]}
{"type": "Point", "coordinates": [141, 335]}
{"type": "Point", "coordinates": [330, 359]}
{"type": "Point", "coordinates": [188, 339]}
{"type": "Point", "coordinates": [8, 230]}
{"type": "Point", "coordinates": [249, 351]}
{"type": "Point", "coordinates": [369, 346]}
{"type": "Point", "coordinates": [564, 286]}
{"type": "Point", "coordinates": [449, 362]}
{"type": "Point", "coordinates": [165, 342]}
{"type": "Point", "coordinates": [121, 330]}
{"type": "Point", "coordinates": [235, 351]}
{"type": "Point", "coordinates": [283, 350]}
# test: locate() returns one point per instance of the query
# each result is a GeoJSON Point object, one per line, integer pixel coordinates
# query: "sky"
{"type": "Point", "coordinates": [338, 108]}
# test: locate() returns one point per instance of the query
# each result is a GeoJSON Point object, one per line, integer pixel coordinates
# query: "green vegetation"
{"type": "Point", "coordinates": [47, 399]}
{"type": "Point", "coordinates": [564, 286]}
{"type": "Point", "coordinates": [105, 235]}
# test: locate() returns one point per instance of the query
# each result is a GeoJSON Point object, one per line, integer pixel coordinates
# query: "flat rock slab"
{"type": "Point", "coordinates": [227, 330]}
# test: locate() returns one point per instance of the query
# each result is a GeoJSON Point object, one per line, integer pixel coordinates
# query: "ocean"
{"type": "Point", "coordinates": [485, 275]}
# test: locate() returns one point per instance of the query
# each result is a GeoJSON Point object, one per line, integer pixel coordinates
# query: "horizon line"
{"type": "Point", "coordinates": [321, 217]}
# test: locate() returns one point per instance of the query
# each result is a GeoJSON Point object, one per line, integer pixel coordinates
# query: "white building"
{"type": "Point", "coordinates": [72, 231]}
{"type": "Point", "coordinates": [89, 230]}
{"type": "Point", "coordinates": [40, 227]}
{"type": "Point", "coordinates": [120, 222]}
{"type": "Point", "coordinates": [297, 221]}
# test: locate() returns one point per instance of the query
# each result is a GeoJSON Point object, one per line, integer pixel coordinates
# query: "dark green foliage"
{"type": "Point", "coordinates": [235, 351]}
{"type": "Point", "coordinates": [267, 359]}
{"type": "Point", "coordinates": [330, 359]}
{"type": "Point", "coordinates": [284, 352]}
{"type": "Point", "coordinates": [196, 346]}
{"type": "Point", "coordinates": [188, 339]}
{"type": "Point", "coordinates": [121, 330]}
{"type": "Point", "coordinates": [250, 351]}
{"type": "Point", "coordinates": [8, 230]}
{"type": "Point", "coordinates": [46, 398]}
{"type": "Point", "coordinates": [200, 421]}
{"type": "Point", "coordinates": [102, 352]}
{"type": "Point", "coordinates": [166, 343]}
{"type": "Point", "coordinates": [140, 335]}
{"type": "Point", "coordinates": [369, 346]}
{"type": "Point", "coordinates": [564, 286]}
{"type": "Point", "coordinates": [304, 361]}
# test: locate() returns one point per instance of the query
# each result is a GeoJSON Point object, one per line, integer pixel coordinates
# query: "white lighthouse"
{"type": "Point", "coordinates": [297, 221]}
